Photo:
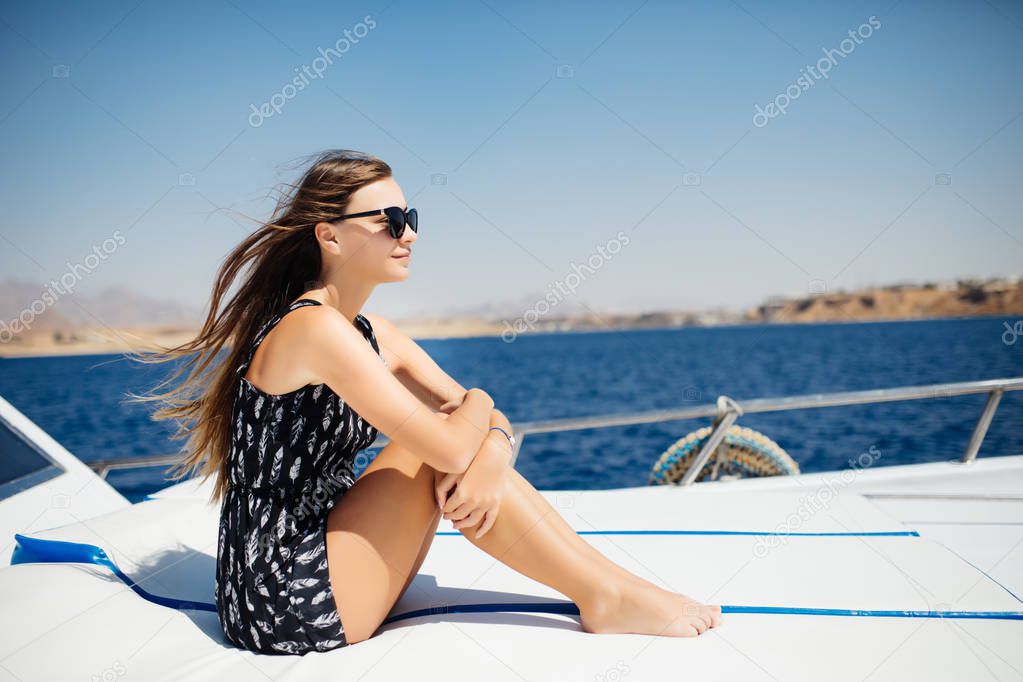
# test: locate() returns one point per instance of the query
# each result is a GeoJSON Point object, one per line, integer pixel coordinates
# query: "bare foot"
{"type": "Point", "coordinates": [713, 611]}
{"type": "Point", "coordinates": [648, 610]}
{"type": "Point", "coordinates": [629, 575]}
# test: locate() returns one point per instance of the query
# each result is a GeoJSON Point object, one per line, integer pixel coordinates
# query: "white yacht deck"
{"type": "Point", "coordinates": [692, 540]}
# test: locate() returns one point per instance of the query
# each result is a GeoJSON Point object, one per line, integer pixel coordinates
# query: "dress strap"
{"type": "Point", "coordinates": [367, 330]}
{"type": "Point", "coordinates": [265, 329]}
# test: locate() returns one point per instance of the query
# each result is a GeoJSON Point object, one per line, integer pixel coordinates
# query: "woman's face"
{"type": "Point", "coordinates": [364, 247]}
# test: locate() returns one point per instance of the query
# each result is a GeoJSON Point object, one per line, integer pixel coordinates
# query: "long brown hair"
{"type": "Point", "coordinates": [281, 259]}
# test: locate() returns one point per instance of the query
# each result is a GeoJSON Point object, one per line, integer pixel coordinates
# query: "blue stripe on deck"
{"type": "Point", "coordinates": [41, 550]}
{"type": "Point", "coordinates": [894, 533]}
{"type": "Point", "coordinates": [569, 608]}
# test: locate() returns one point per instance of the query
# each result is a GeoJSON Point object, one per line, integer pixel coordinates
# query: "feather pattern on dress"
{"type": "Point", "coordinates": [272, 585]}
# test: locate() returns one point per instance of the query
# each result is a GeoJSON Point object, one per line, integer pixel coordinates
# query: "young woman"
{"type": "Point", "coordinates": [310, 559]}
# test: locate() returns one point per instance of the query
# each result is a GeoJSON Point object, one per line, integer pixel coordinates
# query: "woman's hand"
{"type": "Point", "coordinates": [451, 405]}
{"type": "Point", "coordinates": [444, 481]}
{"type": "Point", "coordinates": [478, 492]}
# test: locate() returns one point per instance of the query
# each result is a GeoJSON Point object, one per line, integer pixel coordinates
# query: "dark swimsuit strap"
{"type": "Point", "coordinates": [367, 331]}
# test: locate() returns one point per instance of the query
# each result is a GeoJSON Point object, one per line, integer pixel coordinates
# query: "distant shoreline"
{"type": "Point", "coordinates": [961, 299]}
{"type": "Point", "coordinates": [98, 349]}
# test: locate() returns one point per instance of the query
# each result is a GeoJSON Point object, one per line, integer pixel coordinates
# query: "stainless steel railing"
{"type": "Point", "coordinates": [725, 411]}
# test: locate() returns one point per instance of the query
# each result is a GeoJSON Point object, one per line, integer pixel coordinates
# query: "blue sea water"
{"type": "Point", "coordinates": [78, 399]}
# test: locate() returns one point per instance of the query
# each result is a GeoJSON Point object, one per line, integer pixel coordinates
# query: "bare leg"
{"type": "Point", "coordinates": [427, 543]}
{"type": "Point", "coordinates": [374, 550]}
{"type": "Point", "coordinates": [569, 535]}
{"type": "Point", "coordinates": [567, 532]}
{"type": "Point", "coordinates": [377, 537]}
{"type": "Point", "coordinates": [526, 537]}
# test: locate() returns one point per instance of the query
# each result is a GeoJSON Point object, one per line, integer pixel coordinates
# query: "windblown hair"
{"type": "Point", "coordinates": [281, 259]}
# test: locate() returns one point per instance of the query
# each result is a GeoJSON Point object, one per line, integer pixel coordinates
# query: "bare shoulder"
{"type": "Point", "coordinates": [321, 337]}
{"type": "Point", "coordinates": [280, 361]}
{"type": "Point", "coordinates": [326, 324]}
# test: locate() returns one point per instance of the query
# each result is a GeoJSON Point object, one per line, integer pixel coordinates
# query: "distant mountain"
{"type": "Point", "coordinates": [76, 322]}
{"type": "Point", "coordinates": [45, 309]}
{"type": "Point", "coordinates": [966, 297]}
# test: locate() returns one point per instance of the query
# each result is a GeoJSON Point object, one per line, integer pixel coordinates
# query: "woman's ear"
{"type": "Point", "coordinates": [327, 237]}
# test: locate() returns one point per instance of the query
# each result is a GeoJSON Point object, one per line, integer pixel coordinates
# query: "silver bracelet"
{"type": "Point", "coordinates": [511, 438]}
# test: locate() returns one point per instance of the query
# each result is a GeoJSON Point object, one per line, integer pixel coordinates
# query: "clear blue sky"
{"type": "Point", "coordinates": [650, 118]}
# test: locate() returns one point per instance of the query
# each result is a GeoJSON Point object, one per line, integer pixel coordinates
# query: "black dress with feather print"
{"type": "Point", "coordinates": [291, 459]}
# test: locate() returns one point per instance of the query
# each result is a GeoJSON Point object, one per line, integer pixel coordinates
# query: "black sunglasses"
{"type": "Point", "coordinates": [397, 219]}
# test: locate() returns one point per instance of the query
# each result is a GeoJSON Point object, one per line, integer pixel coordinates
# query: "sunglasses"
{"type": "Point", "coordinates": [397, 219]}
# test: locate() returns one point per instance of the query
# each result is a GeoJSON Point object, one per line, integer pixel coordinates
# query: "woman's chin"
{"type": "Point", "coordinates": [397, 272]}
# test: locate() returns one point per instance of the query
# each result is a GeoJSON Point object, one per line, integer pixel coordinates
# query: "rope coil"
{"type": "Point", "coordinates": [743, 452]}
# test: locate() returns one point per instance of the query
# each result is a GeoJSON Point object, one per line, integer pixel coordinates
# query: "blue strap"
{"type": "Point", "coordinates": [37, 550]}
{"type": "Point", "coordinates": [42, 550]}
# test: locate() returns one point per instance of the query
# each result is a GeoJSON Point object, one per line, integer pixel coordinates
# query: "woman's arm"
{"type": "Point", "coordinates": [414, 367]}
{"type": "Point", "coordinates": [478, 492]}
{"type": "Point", "coordinates": [418, 372]}
{"type": "Point", "coordinates": [497, 418]}
{"type": "Point", "coordinates": [335, 352]}
{"type": "Point", "coordinates": [424, 377]}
